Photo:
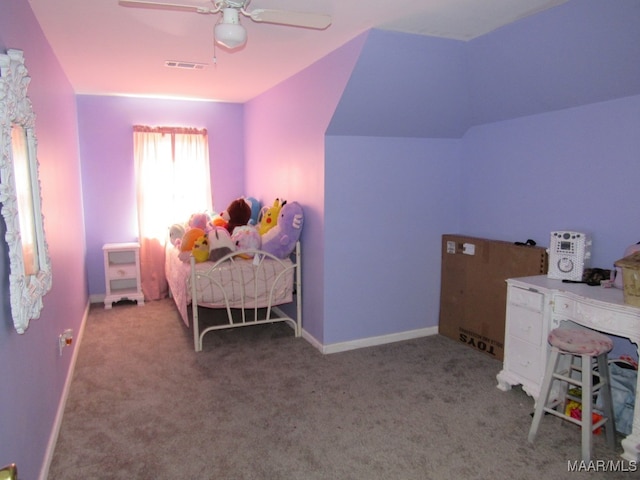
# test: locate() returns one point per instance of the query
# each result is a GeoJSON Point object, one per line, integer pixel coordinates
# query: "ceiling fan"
{"type": "Point", "coordinates": [229, 32]}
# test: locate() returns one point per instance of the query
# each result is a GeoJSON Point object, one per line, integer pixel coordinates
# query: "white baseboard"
{"type": "Point", "coordinates": [97, 298]}
{"type": "Point", "coordinates": [312, 340]}
{"type": "Point", "coordinates": [57, 423]}
{"type": "Point", "coordinates": [370, 341]}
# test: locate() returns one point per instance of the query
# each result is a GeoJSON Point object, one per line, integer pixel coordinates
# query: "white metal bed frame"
{"type": "Point", "coordinates": [249, 315]}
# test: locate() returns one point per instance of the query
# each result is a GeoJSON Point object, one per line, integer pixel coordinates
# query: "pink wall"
{"type": "Point", "coordinates": [33, 374]}
{"type": "Point", "coordinates": [284, 157]}
{"type": "Point", "coordinates": [106, 147]}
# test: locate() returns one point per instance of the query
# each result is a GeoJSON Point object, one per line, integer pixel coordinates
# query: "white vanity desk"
{"type": "Point", "coordinates": [536, 305]}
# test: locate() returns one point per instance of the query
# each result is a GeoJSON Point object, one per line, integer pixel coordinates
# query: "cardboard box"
{"type": "Point", "coordinates": [630, 278]}
{"type": "Point", "coordinates": [473, 291]}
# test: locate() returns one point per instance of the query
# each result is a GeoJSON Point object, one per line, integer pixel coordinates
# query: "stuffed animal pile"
{"type": "Point", "coordinates": [243, 226]}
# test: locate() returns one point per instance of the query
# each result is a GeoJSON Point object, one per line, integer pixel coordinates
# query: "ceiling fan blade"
{"type": "Point", "coordinates": [166, 6]}
{"type": "Point", "coordinates": [318, 21]}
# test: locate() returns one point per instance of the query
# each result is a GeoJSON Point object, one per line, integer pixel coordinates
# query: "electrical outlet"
{"type": "Point", "coordinates": [65, 339]}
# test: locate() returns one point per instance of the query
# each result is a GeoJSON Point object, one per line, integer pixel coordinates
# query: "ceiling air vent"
{"type": "Point", "coordinates": [184, 65]}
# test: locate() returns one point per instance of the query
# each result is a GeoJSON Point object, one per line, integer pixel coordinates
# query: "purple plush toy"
{"type": "Point", "coordinates": [281, 239]}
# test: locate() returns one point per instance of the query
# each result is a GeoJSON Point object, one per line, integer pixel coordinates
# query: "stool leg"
{"type": "Point", "coordinates": [587, 407]}
{"type": "Point", "coordinates": [544, 393]}
{"type": "Point", "coordinates": [607, 400]}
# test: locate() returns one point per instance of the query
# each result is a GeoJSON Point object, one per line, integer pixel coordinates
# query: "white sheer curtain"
{"type": "Point", "coordinates": [172, 181]}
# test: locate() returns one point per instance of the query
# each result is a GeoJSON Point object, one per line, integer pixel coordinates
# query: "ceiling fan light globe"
{"type": "Point", "coordinates": [230, 35]}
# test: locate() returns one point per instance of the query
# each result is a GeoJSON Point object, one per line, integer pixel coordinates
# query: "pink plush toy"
{"type": "Point", "coordinates": [281, 239]}
{"type": "Point", "coordinates": [246, 237]}
{"type": "Point", "coordinates": [199, 220]}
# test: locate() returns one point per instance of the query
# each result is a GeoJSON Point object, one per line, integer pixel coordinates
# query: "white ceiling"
{"type": "Point", "coordinates": [108, 49]}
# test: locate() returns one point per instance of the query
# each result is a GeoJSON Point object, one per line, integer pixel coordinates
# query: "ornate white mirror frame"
{"type": "Point", "coordinates": [30, 265]}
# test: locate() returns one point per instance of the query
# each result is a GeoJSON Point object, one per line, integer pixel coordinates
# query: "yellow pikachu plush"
{"type": "Point", "coordinates": [200, 250]}
{"type": "Point", "coordinates": [269, 216]}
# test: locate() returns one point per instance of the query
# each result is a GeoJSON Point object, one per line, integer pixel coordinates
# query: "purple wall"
{"type": "Point", "coordinates": [285, 158]}
{"type": "Point", "coordinates": [32, 372]}
{"type": "Point", "coordinates": [553, 92]}
{"type": "Point", "coordinates": [576, 166]}
{"type": "Point", "coordinates": [406, 86]}
{"type": "Point", "coordinates": [388, 201]}
{"type": "Point", "coordinates": [496, 180]}
{"type": "Point", "coordinates": [106, 146]}
{"type": "Point", "coordinates": [581, 52]}
{"type": "Point", "coordinates": [576, 169]}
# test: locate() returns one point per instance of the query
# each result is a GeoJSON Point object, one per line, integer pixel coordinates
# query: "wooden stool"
{"type": "Point", "coordinates": [583, 345]}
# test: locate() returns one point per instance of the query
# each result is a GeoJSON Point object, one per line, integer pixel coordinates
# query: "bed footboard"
{"type": "Point", "coordinates": [251, 306]}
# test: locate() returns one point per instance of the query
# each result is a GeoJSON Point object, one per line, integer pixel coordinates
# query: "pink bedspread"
{"type": "Point", "coordinates": [241, 283]}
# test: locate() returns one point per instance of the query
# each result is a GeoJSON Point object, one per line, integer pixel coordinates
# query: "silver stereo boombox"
{"type": "Point", "coordinates": [569, 255]}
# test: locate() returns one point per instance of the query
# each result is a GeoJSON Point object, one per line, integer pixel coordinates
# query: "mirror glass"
{"type": "Point", "coordinates": [24, 197]}
{"type": "Point", "coordinates": [30, 265]}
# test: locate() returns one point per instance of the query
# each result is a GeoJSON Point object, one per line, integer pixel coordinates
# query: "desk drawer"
{"type": "Point", "coordinates": [564, 306]}
{"type": "Point", "coordinates": [526, 298]}
{"type": "Point", "coordinates": [597, 317]}
{"type": "Point", "coordinates": [524, 360]}
{"type": "Point", "coordinates": [525, 324]}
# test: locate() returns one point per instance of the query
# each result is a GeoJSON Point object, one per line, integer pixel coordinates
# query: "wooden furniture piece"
{"type": "Point", "coordinates": [580, 348]}
{"type": "Point", "coordinates": [536, 305]}
{"type": "Point", "coordinates": [122, 273]}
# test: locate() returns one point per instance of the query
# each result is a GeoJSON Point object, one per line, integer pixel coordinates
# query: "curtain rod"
{"type": "Point", "coordinates": [184, 130]}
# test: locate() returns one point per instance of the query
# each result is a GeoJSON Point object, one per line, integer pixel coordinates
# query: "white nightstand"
{"type": "Point", "coordinates": [122, 273]}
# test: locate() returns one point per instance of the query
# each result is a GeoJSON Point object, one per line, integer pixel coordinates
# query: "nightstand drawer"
{"type": "Point", "coordinates": [123, 271]}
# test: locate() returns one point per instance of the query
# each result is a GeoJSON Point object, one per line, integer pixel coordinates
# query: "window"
{"type": "Point", "coordinates": [173, 181]}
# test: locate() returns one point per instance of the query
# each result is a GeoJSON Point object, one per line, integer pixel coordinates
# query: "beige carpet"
{"type": "Point", "coordinates": [258, 403]}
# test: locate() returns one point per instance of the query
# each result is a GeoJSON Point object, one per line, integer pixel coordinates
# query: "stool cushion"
{"type": "Point", "coordinates": [580, 342]}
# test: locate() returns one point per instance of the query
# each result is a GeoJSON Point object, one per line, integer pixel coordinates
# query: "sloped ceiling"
{"type": "Point", "coordinates": [415, 86]}
{"type": "Point", "coordinates": [108, 49]}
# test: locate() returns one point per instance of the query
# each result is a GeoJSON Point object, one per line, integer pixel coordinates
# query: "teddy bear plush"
{"type": "Point", "coordinates": [281, 239]}
{"type": "Point", "coordinates": [238, 213]}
